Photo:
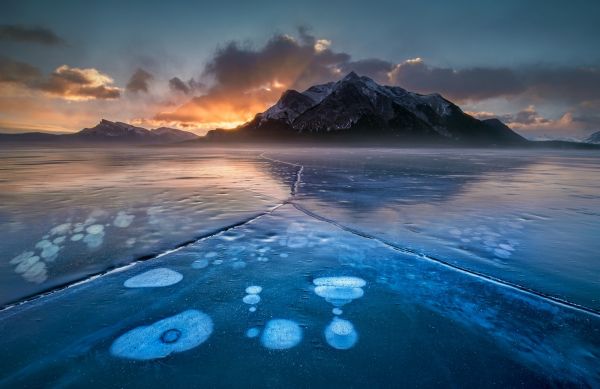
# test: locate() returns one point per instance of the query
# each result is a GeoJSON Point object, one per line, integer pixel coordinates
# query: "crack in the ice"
{"type": "Point", "coordinates": [472, 273]}
{"type": "Point", "coordinates": [294, 191]}
{"type": "Point", "coordinates": [405, 250]}
{"type": "Point", "coordinates": [117, 269]}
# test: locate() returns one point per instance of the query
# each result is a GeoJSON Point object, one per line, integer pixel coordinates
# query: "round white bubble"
{"type": "Point", "coordinates": [174, 334]}
{"type": "Point", "coordinates": [252, 332]}
{"type": "Point", "coordinates": [281, 334]}
{"type": "Point", "coordinates": [42, 244]}
{"type": "Point", "coordinates": [502, 253]}
{"type": "Point", "coordinates": [340, 334]}
{"type": "Point", "coordinates": [343, 281]}
{"type": "Point", "coordinates": [337, 311]}
{"type": "Point", "coordinates": [200, 264]}
{"type": "Point", "coordinates": [252, 309]}
{"type": "Point", "coordinates": [217, 262]}
{"type": "Point", "coordinates": [49, 251]}
{"type": "Point", "coordinates": [123, 220]}
{"type": "Point", "coordinates": [21, 257]}
{"type": "Point", "coordinates": [95, 229]}
{"type": "Point", "coordinates": [26, 264]}
{"type": "Point", "coordinates": [154, 278]}
{"type": "Point", "coordinates": [76, 237]}
{"type": "Point", "coordinates": [251, 299]}
{"type": "Point", "coordinates": [61, 229]}
{"type": "Point", "coordinates": [211, 254]}
{"type": "Point", "coordinates": [254, 289]}
{"type": "Point", "coordinates": [238, 265]}
{"type": "Point", "coordinates": [94, 240]}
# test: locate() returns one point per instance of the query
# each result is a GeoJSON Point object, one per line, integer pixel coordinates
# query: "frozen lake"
{"type": "Point", "coordinates": [299, 267]}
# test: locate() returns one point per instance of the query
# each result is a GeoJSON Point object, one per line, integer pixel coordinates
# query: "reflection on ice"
{"type": "Point", "coordinates": [174, 334]}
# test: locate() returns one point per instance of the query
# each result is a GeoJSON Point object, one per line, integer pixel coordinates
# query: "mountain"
{"type": "Point", "coordinates": [106, 132]}
{"type": "Point", "coordinates": [358, 108]}
{"type": "Point", "coordinates": [594, 138]}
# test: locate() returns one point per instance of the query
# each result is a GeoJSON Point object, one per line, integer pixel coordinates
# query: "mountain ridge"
{"type": "Point", "coordinates": [358, 107]}
{"type": "Point", "coordinates": [107, 131]}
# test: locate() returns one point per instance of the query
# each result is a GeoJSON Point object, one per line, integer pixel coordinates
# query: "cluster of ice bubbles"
{"type": "Point", "coordinates": [278, 334]}
{"type": "Point", "coordinates": [491, 241]}
{"type": "Point", "coordinates": [339, 291]}
{"type": "Point", "coordinates": [33, 264]}
{"type": "Point", "coordinates": [252, 296]}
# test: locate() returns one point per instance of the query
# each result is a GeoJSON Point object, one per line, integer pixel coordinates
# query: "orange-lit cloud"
{"type": "Point", "coordinates": [78, 84]}
{"type": "Point", "coordinates": [65, 82]}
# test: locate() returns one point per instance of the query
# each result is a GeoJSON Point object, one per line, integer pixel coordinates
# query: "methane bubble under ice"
{"type": "Point", "coordinates": [200, 264]}
{"type": "Point", "coordinates": [123, 220]}
{"type": "Point", "coordinates": [252, 332]}
{"type": "Point", "coordinates": [174, 334]}
{"type": "Point", "coordinates": [339, 290]}
{"type": "Point", "coordinates": [254, 289]}
{"type": "Point", "coordinates": [251, 299]}
{"type": "Point", "coordinates": [340, 334]}
{"type": "Point", "coordinates": [281, 334]}
{"type": "Point", "coordinates": [154, 278]}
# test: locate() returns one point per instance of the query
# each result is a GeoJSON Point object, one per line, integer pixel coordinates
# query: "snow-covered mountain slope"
{"type": "Point", "coordinates": [359, 106]}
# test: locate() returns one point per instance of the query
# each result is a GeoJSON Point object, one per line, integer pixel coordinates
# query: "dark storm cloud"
{"type": "Point", "coordinates": [17, 72]}
{"type": "Point", "coordinates": [247, 79]}
{"type": "Point", "coordinates": [377, 69]}
{"type": "Point", "coordinates": [460, 84]}
{"type": "Point", "coordinates": [191, 86]}
{"type": "Point", "coordinates": [139, 81]}
{"type": "Point", "coordinates": [20, 33]}
{"type": "Point", "coordinates": [563, 84]}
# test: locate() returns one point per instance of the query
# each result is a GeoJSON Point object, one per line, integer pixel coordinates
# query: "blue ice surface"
{"type": "Point", "coordinates": [421, 322]}
{"type": "Point", "coordinates": [174, 334]}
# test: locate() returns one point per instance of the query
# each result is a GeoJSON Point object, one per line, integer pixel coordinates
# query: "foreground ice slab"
{"type": "Point", "coordinates": [419, 322]}
{"type": "Point", "coordinates": [532, 217]}
{"type": "Point", "coordinates": [81, 213]}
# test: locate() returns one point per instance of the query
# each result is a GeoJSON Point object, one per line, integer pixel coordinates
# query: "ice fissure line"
{"type": "Point", "coordinates": [138, 260]}
{"type": "Point", "coordinates": [473, 273]}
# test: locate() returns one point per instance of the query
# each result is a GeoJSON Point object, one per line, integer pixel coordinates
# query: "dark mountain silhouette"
{"type": "Point", "coordinates": [106, 132]}
{"type": "Point", "coordinates": [594, 138]}
{"type": "Point", "coordinates": [358, 108]}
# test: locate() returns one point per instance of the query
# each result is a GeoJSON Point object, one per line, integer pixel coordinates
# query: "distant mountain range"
{"type": "Point", "coordinates": [357, 108]}
{"type": "Point", "coordinates": [354, 109]}
{"type": "Point", "coordinates": [106, 132]}
{"type": "Point", "coordinates": [594, 138]}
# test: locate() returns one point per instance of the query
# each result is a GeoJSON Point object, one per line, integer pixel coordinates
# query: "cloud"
{"type": "Point", "coordinates": [139, 81]}
{"type": "Point", "coordinates": [79, 84]}
{"type": "Point", "coordinates": [65, 82]}
{"type": "Point", "coordinates": [559, 84]}
{"type": "Point", "coordinates": [17, 72]}
{"type": "Point", "coordinates": [459, 84]}
{"type": "Point", "coordinates": [20, 33]}
{"type": "Point", "coordinates": [246, 80]}
{"type": "Point", "coordinates": [530, 122]}
{"type": "Point", "coordinates": [191, 86]}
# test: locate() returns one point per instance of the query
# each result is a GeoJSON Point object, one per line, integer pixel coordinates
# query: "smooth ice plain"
{"type": "Point", "coordinates": [333, 267]}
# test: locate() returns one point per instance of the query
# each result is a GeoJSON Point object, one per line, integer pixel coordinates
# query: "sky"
{"type": "Point", "coordinates": [197, 65]}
